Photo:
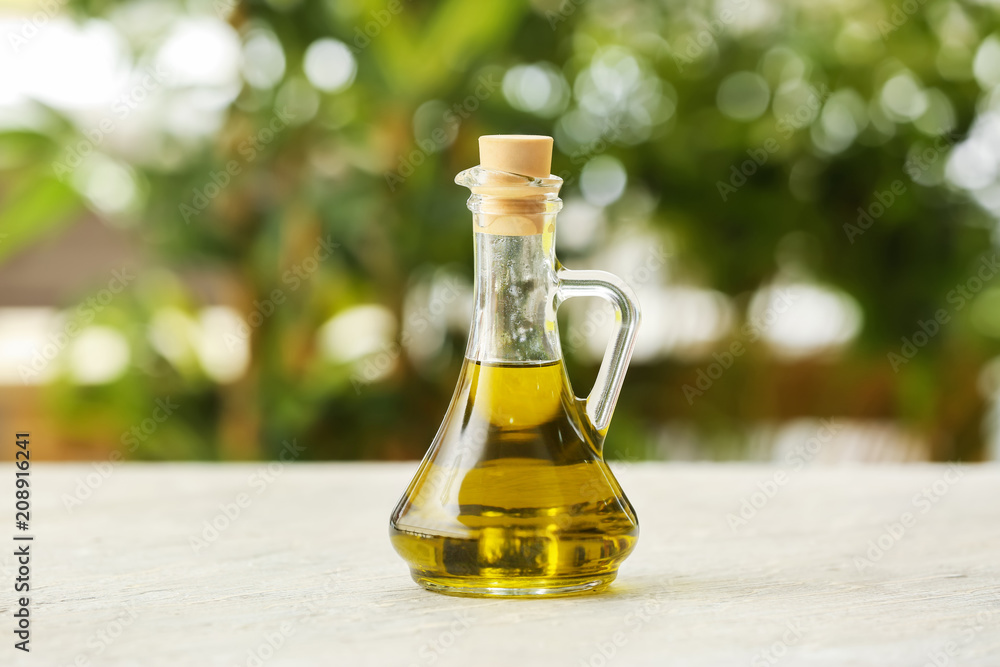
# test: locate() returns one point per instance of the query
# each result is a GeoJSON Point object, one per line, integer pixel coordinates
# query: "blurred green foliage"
{"type": "Point", "coordinates": [656, 110]}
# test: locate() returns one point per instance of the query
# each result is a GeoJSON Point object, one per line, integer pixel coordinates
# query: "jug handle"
{"type": "Point", "coordinates": [600, 403]}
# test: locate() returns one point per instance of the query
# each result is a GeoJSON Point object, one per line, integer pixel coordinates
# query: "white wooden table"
{"type": "Point", "coordinates": [305, 574]}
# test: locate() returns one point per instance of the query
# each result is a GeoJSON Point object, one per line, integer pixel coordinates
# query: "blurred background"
{"type": "Point", "coordinates": [228, 226]}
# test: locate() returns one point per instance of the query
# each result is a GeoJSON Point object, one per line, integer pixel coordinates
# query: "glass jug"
{"type": "Point", "coordinates": [513, 497]}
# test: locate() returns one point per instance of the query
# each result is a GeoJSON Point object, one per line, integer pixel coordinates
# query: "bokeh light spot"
{"type": "Point", "coordinates": [98, 355]}
{"type": "Point", "coordinates": [743, 96]}
{"type": "Point", "coordinates": [263, 60]}
{"type": "Point", "coordinates": [330, 65]}
{"type": "Point", "coordinates": [603, 180]}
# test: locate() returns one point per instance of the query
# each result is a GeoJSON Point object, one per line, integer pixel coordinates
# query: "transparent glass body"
{"type": "Point", "coordinates": [514, 497]}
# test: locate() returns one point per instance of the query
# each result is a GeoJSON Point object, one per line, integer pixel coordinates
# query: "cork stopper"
{"type": "Point", "coordinates": [525, 154]}
{"type": "Point", "coordinates": [517, 191]}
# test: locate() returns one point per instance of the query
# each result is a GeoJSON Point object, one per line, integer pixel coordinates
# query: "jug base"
{"type": "Point", "coordinates": [516, 587]}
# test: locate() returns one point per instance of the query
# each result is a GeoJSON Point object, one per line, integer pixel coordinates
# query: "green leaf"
{"type": "Point", "coordinates": [36, 208]}
{"type": "Point", "coordinates": [419, 56]}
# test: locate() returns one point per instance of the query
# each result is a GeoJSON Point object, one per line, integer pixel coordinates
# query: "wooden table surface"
{"type": "Point", "coordinates": [891, 565]}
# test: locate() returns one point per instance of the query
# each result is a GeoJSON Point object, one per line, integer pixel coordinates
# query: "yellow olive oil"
{"type": "Point", "coordinates": [514, 497]}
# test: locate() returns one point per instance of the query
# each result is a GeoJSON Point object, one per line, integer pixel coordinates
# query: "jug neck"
{"type": "Point", "coordinates": [516, 285]}
{"type": "Point", "coordinates": [514, 320]}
